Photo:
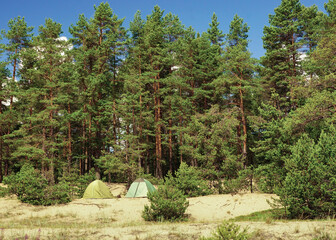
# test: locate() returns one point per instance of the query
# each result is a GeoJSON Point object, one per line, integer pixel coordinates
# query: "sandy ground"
{"type": "Point", "coordinates": [120, 218]}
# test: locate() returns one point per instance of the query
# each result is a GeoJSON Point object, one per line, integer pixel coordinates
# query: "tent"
{"type": "Point", "coordinates": [140, 188]}
{"type": "Point", "coordinates": [97, 189]}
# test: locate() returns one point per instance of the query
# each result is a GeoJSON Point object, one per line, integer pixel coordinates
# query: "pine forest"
{"type": "Point", "coordinates": [120, 102]}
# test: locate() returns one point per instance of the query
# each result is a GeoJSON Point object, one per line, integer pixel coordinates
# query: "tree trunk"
{"type": "Point", "coordinates": [114, 122]}
{"type": "Point", "coordinates": [1, 160]}
{"type": "Point", "coordinates": [170, 146]}
{"type": "Point", "coordinates": [43, 166]}
{"type": "Point", "coordinates": [51, 154]}
{"type": "Point", "coordinates": [83, 161]}
{"type": "Point", "coordinates": [243, 121]}
{"type": "Point", "coordinates": [158, 171]}
{"type": "Point", "coordinates": [140, 114]}
{"type": "Point", "coordinates": [69, 141]}
{"type": "Point", "coordinates": [89, 148]}
{"type": "Point", "coordinates": [181, 134]}
{"type": "Point", "coordinates": [14, 74]}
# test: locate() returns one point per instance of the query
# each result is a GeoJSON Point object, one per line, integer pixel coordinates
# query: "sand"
{"type": "Point", "coordinates": [120, 218]}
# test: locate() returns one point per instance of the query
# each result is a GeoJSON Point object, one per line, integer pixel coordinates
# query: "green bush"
{"type": "Point", "coordinates": [189, 181]}
{"type": "Point", "coordinates": [31, 187]}
{"type": "Point", "coordinates": [268, 177]}
{"type": "Point", "coordinates": [309, 188]}
{"type": "Point", "coordinates": [4, 192]}
{"type": "Point", "coordinates": [28, 185]}
{"type": "Point", "coordinates": [241, 182]}
{"type": "Point", "coordinates": [57, 194]}
{"type": "Point", "coordinates": [228, 231]}
{"type": "Point", "coordinates": [166, 204]}
{"type": "Point", "coordinates": [78, 183]}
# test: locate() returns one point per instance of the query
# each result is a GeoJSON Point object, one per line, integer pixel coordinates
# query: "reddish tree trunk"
{"type": "Point", "coordinates": [69, 141]}
{"type": "Point", "coordinates": [158, 171]}
{"type": "Point", "coordinates": [170, 143]}
{"type": "Point", "coordinates": [1, 160]}
{"type": "Point", "coordinates": [243, 121]}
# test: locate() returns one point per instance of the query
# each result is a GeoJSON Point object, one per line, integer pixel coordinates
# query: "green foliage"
{"type": "Point", "coordinates": [150, 178]}
{"type": "Point", "coordinates": [142, 105]}
{"type": "Point", "coordinates": [77, 183]}
{"type": "Point", "coordinates": [228, 231]}
{"type": "Point", "coordinates": [214, 34]}
{"type": "Point", "coordinates": [262, 216]}
{"type": "Point", "coordinates": [309, 188]}
{"type": "Point", "coordinates": [189, 181]}
{"type": "Point", "coordinates": [4, 192]}
{"type": "Point", "coordinates": [28, 185]}
{"type": "Point", "coordinates": [268, 177]}
{"type": "Point", "coordinates": [166, 204]}
{"type": "Point", "coordinates": [281, 75]}
{"type": "Point", "coordinates": [31, 187]}
{"type": "Point", "coordinates": [209, 138]}
{"type": "Point", "coordinates": [57, 194]}
{"type": "Point", "coordinates": [241, 182]}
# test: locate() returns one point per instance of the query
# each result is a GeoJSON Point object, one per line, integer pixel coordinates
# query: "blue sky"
{"type": "Point", "coordinates": [195, 13]}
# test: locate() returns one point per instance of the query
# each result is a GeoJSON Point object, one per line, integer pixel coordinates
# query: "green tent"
{"type": "Point", "coordinates": [140, 188]}
{"type": "Point", "coordinates": [97, 189]}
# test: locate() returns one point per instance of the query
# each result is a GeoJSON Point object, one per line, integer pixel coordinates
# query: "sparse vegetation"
{"type": "Point", "coordinates": [4, 192]}
{"type": "Point", "coordinates": [228, 231]}
{"type": "Point", "coordinates": [263, 216]}
{"type": "Point", "coordinates": [324, 236]}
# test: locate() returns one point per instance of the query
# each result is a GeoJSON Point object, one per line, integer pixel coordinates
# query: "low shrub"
{"type": "Point", "coordinates": [28, 185]}
{"type": "Point", "coordinates": [4, 192]}
{"type": "Point", "coordinates": [188, 180]}
{"type": "Point", "coordinates": [57, 194]}
{"type": "Point", "coordinates": [78, 183]}
{"type": "Point", "coordinates": [31, 187]}
{"type": "Point", "coordinates": [241, 182]}
{"type": "Point", "coordinates": [228, 231]}
{"type": "Point", "coordinates": [166, 204]}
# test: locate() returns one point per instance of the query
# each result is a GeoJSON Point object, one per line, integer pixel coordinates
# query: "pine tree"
{"type": "Point", "coordinates": [149, 84]}
{"type": "Point", "coordinates": [215, 35]}
{"type": "Point", "coordinates": [137, 95]}
{"type": "Point", "coordinates": [174, 32]}
{"type": "Point", "coordinates": [83, 41]}
{"type": "Point", "coordinates": [18, 36]}
{"type": "Point", "coordinates": [154, 43]}
{"type": "Point", "coordinates": [322, 59]}
{"type": "Point", "coordinates": [236, 85]}
{"type": "Point", "coordinates": [4, 75]}
{"type": "Point", "coordinates": [98, 50]}
{"type": "Point", "coordinates": [289, 36]}
{"type": "Point", "coordinates": [67, 100]}
{"type": "Point", "coordinates": [282, 41]}
{"type": "Point", "coordinates": [36, 140]}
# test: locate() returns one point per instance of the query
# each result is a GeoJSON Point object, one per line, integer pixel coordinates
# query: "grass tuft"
{"type": "Point", "coordinates": [267, 216]}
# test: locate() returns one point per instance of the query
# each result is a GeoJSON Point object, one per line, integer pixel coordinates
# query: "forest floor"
{"type": "Point", "coordinates": [120, 218]}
